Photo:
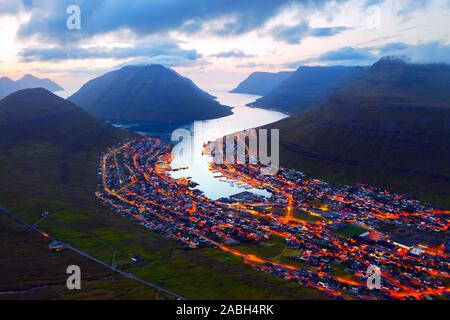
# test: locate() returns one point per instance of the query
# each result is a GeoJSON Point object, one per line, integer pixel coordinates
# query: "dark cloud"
{"type": "Point", "coordinates": [152, 52]}
{"type": "Point", "coordinates": [144, 17]}
{"type": "Point", "coordinates": [328, 31]}
{"type": "Point", "coordinates": [294, 34]}
{"type": "Point", "coordinates": [290, 34]}
{"type": "Point", "coordinates": [235, 53]}
{"type": "Point", "coordinates": [391, 47]}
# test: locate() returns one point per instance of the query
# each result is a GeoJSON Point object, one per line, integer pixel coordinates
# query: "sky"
{"type": "Point", "coordinates": [216, 43]}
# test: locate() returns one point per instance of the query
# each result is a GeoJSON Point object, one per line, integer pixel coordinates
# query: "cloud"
{"type": "Point", "coordinates": [347, 54]}
{"type": "Point", "coordinates": [405, 8]}
{"type": "Point", "coordinates": [168, 61]}
{"type": "Point", "coordinates": [220, 17]}
{"type": "Point", "coordinates": [295, 33]}
{"type": "Point", "coordinates": [152, 51]}
{"type": "Point", "coordinates": [235, 53]}
{"type": "Point", "coordinates": [328, 31]}
{"type": "Point", "coordinates": [341, 56]}
{"type": "Point", "coordinates": [290, 34]}
{"type": "Point", "coordinates": [297, 64]}
{"type": "Point", "coordinates": [9, 7]}
{"type": "Point", "coordinates": [257, 65]}
{"type": "Point", "coordinates": [430, 52]}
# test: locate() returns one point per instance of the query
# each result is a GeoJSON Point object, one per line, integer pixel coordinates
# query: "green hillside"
{"type": "Point", "coordinates": [307, 87]}
{"type": "Point", "coordinates": [261, 83]}
{"type": "Point", "coordinates": [390, 128]}
{"type": "Point", "coordinates": [147, 93]}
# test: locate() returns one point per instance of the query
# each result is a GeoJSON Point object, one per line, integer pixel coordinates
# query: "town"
{"type": "Point", "coordinates": [328, 235]}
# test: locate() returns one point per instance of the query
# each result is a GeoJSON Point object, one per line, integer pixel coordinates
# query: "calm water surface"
{"type": "Point", "coordinates": [203, 131]}
{"type": "Point", "coordinates": [243, 117]}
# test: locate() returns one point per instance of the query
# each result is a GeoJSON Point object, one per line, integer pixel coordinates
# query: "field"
{"type": "Point", "coordinates": [350, 231]}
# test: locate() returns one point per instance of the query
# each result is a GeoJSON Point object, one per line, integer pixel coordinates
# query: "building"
{"type": "Point", "coordinates": [55, 246]}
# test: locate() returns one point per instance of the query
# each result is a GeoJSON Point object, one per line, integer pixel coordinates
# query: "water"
{"type": "Point", "coordinates": [209, 130]}
{"type": "Point", "coordinates": [201, 132]}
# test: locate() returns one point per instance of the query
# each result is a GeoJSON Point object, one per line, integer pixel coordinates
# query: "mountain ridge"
{"type": "Point", "coordinates": [389, 128]}
{"type": "Point", "coordinates": [147, 93]}
{"type": "Point", "coordinates": [307, 87]}
{"type": "Point", "coordinates": [261, 83]}
{"type": "Point", "coordinates": [27, 81]}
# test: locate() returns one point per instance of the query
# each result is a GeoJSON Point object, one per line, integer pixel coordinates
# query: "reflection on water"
{"type": "Point", "coordinates": [233, 99]}
{"type": "Point", "coordinates": [209, 130]}
{"type": "Point", "coordinates": [204, 131]}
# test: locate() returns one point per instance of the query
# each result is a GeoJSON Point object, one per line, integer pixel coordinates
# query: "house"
{"type": "Point", "coordinates": [55, 246]}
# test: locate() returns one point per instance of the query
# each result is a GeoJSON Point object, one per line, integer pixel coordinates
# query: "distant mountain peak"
{"type": "Point", "coordinates": [261, 83]}
{"type": "Point", "coordinates": [34, 94]}
{"type": "Point", "coordinates": [39, 91]}
{"type": "Point", "coordinates": [31, 104]}
{"type": "Point", "coordinates": [29, 76]}
{"type": "Point", "coordinates": [147, 93]}
{"type": "Point", "coordinates": [145, 65]}
{"type": "Point", "coordinates": [8, 86]}
{"type": "Point", "coordinates": [308, 86]}
{"type": "Point", "coordinates": [30, 81]}
{"type": "Point", "coordinates": [150, 67]}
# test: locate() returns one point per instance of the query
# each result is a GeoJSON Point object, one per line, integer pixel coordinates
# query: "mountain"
{"type": "Point", "coordinates": [389, 128]}
{"type": "Point", "coordinates": [308, 86]}
{"type": "Point", "coordinates": [37, 115]}
{"type": "Point", "coordinates": [8, 86]}
{"type": "Point", "coordinates": [261, 83]}
{"type": "Point", "coordinates": [30, 81]}
{"type": "Point", "coordinates": [147, 93]}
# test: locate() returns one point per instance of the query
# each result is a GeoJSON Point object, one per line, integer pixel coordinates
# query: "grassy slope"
{"type": "Point", "coordinates": [147, 94]}
{"type": "Point", "coordinates": [389, 129]}
{"type": "Point", "coordinates": [52, 165]}
{"type": "Point", "coordinates": [424, 188]}
{"type": "Point", "coordinates": [46, 279]}
{"type": "Point", "coordinates": [307, 87]}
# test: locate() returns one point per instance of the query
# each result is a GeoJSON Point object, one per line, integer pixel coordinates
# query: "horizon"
{"type": "Point", "coordinates": [65, 93]}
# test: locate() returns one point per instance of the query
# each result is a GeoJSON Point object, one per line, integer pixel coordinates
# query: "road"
{"type": "Point", "coordinates": [88, 256]}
